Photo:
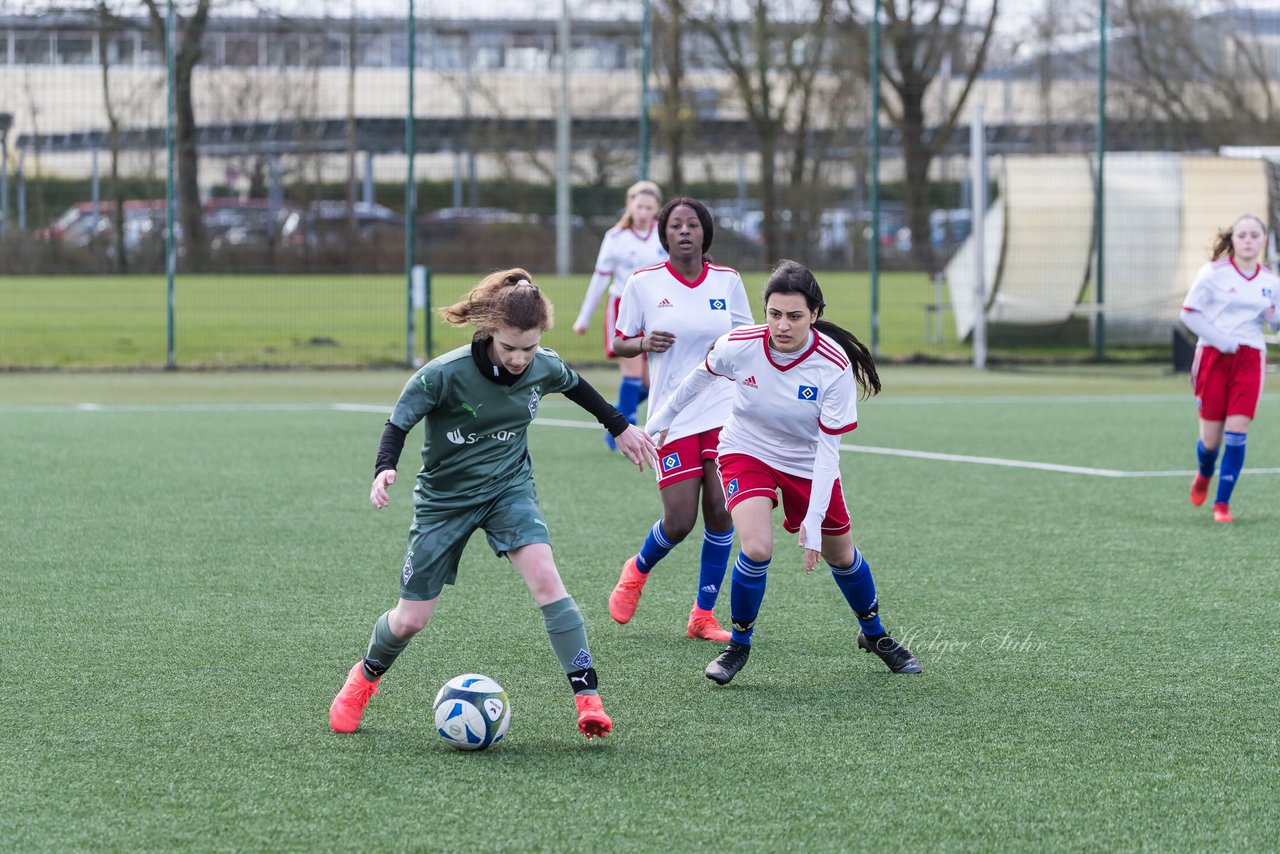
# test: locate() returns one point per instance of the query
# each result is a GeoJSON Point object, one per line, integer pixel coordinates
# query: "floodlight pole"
{"type": "Point", "coordinates": [1100, 325]}
{"type": "Point", "coordinates": [873, 258]}
{"type": "Point", "coordinates": [563, 226]}
{"type": "Point", "coordinates": [410, 196]}
{"type": "Point", "coordinates": [646, 46]}
{"type": "Point", "coordinates": [6, 122]}
{"type": "Point", "coordinates": [977, 237]}
{"type": "Point", "coordinates": [170, 244]}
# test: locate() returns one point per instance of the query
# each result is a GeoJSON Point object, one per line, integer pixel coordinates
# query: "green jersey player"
{"type": "Point", "coordinates": [478, 402]}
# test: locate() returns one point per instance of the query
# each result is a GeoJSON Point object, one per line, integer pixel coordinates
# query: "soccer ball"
{"type": "Point", "coordinates": [472, 712]}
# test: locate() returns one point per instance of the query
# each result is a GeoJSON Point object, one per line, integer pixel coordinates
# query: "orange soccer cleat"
{"type": "Point", "coordinates": [592, 721]}
{"type": "Point", "coordinates": [348, 707]}
{"type": "Point", "coordinates": [1199, 490]}
{"type": "Point", "coordinates": [626, 595]}
{"type": "Point", "coordinates": [703, 626]}
{"type": "Point", "coordinates": [1222, 512]}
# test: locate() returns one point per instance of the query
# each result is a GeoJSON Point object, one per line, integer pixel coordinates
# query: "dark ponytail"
{"type": "Point", "coordinates": [791, 277]}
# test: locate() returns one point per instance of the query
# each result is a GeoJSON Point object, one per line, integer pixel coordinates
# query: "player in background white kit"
{"type": "Point", "coordinates": [631, 244]}
{"type": "Point", "coordinates": [795, 383]}
{"type": "Point", "coordinates": [674, 312]}
{"type": "Point", "coordinates": [1232, 297]}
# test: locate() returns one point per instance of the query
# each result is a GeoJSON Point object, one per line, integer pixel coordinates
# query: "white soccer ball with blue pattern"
{"type": "Point", "coordinates": [472, 712]}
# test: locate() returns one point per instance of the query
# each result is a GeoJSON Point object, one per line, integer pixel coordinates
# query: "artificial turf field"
{"type": "Point", "coordinates": [190, 565]}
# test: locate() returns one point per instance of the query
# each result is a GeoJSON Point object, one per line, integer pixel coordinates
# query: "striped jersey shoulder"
{"type": "Point", "coordinates": [723, 269]}
{"type": "Point", "coordinates": [832, 352]}
{"type": "Point", "coordinates": [749, 333]}
{"type": "Point", "coordinates": [457, 354]}
{"type": "Point", "coordinates": [548, 353]}
{"type": "Point", "coordinates": [652, 268]}
{"type": "Point", "coordinates": [1220, 263]}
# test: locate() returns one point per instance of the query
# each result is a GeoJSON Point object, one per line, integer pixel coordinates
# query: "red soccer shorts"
{"type": "Point", "coordinates": [1228, 383]}
{"type": "Point", "coordinates": [682, 459]}
{"type": "Point", "coordinates": [743, 476]}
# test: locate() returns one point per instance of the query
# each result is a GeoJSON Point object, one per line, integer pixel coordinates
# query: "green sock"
{"type": "Point", "coordinates": [568, 635]}
{"type": "Point", "coordinates": [384, 646]}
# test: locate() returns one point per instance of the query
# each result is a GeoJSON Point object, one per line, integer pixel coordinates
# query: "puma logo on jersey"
{"type": "Point", "coordinates": [750, 382]}
{"type": "Point", "coordinates": [666, 303]}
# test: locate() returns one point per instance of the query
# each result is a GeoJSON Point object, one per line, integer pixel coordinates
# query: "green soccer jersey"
{"type": "Point", "coordinates": [475, 443]}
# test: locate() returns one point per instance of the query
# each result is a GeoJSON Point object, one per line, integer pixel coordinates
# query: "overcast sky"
{"type": "Point", "coordinates": [1013, 15]}
{"type": "Point", "coordinates": [611, 9]}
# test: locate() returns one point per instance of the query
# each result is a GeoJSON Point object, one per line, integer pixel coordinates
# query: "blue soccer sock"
{"type": "Point", "coordinates": [745, 595]}
{"type": "Point", "coordinates": [1208, 458]}
{"type": "Point", "coordinates": [644, 393]}
{"type": "Point", "coordinates": [1232, 463]}
{"type": "Point", "coordinates": [859, 591]}
{"type": "Point", "coordinates": [656, 547]}
{"type": "Point", "coordinates": [629, 397]}
{"type": "Point", "coordinates": [716, 548]}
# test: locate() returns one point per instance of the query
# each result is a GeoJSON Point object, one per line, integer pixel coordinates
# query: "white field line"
{"type": "Point", "coordinates": [587, 425]}
{"type": "Point", "coordinates": [965, 458]}
{"type": "Point", "coordinates": [1035, 400]}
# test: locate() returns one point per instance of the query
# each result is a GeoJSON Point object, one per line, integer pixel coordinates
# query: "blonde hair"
{"type": "Point", "coordinates": [1222, 244]}
{"type": "Point", "coordinates": [647, 188]}
{"type": "Point", "coordinates": [502, 298]}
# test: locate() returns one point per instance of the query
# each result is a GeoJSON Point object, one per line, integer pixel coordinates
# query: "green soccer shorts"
{"type": "Point", "coordinates": [437, 539]}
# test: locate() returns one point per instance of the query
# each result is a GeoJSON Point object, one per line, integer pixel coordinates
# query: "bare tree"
{"type": "Point", "coordinates": [675, 116]}
{"type": "Point", "coordinates": [1043, 45]}
{"type": "Point", "coordinates": [917, 37]}
{"type": "Point", "coordinates": [187, 53]}
{"type": "Point", "coordinates": [108, 26]}
{"type": "Point", "coordinates": [775, 58]}
{"type": "Point", "coordinates": [1208, 80]}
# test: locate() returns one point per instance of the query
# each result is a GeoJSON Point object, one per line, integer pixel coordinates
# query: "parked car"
{"type": "Point", "coordinates": [949, 228]}
{"type": "Point", "coordinates": [328, 225]}
{"type": "Point", "coordinates": [90, 226]}
{"type": "Point", "coordinates": [484, 216]}
{"type": "Point", "coordinates": [237, 224]}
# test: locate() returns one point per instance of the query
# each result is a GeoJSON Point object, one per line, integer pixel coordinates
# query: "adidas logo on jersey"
{"type": "Point", "coordinates": [666, 303]}
{"type": "Point", "coordinates": [750, 382]}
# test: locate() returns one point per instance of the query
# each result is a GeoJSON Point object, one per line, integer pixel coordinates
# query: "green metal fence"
{"type": "Point", "coordinates": [315, 159]}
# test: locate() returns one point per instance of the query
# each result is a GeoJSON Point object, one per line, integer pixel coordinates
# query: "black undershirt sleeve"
{"type": "Point", "coordinates": [585, 395]}
{"type": "Point", "coordinates": [389, 448]}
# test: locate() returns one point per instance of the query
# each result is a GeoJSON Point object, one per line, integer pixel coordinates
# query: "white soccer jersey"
{"type": "Point", "coordinates": [1233, 303]}
{"type": "Point", "coordinates": [657, 298]}
{"type": "Point", "coordinates": [622, 252]}
{"type": "Point", "coordinates": [779, 408]}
